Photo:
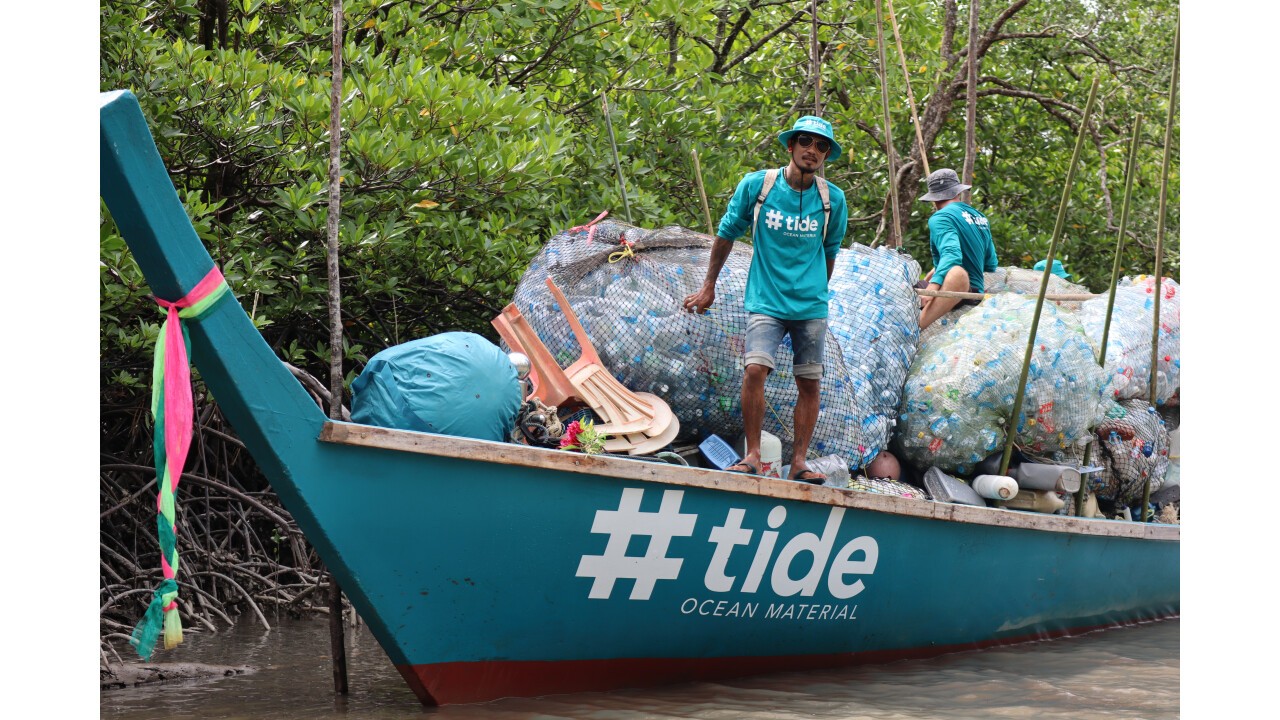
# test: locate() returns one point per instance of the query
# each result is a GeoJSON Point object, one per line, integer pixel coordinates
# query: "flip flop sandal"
{"type": "Point", "coordinates": [810, 476]}
{"type": "Point", "coordinates": [750, 469]}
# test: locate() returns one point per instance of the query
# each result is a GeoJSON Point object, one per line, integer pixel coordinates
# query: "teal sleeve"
{"type": "Point", "coordinates": [991, 263]}
{"type": "Point", "coordinates": [737, 218]}
{"type": "Point", "coordinates": [836, 227]}
{"type": "Point", "coordinates": [946, 245]}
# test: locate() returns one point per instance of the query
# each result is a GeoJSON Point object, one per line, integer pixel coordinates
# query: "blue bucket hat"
{"type": "Point", "coordinates": [813, 125]}
{"type": "Point", "coordinates": [1057, 269]}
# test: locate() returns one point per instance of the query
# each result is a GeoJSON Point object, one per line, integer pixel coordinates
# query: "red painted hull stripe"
{"type": "Point", "coordinates": [468, 682]}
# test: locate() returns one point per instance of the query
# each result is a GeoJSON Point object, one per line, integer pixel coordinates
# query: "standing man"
{"type": "Point", "coordinates": [797, 222]}
{"type": "Point", "coordinates": [961, 245]}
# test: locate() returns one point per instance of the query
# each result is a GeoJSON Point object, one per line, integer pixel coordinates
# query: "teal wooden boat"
{"type": "Point", "coordinates": [488, 570]}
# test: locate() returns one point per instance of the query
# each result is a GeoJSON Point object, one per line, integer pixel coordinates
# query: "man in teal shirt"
{"type": "Point", "coordinates": [960, 243]}
{"type": "Point", "coordinates": [796, 231]}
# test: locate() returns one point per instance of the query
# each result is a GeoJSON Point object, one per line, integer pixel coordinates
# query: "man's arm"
{"type": "Point", "coordinates": [991, 264]}
{"type": "Point", "coordinates": [699, 302]}
{"type": "Point", "coordinates": [947, 240]}
{"type": "Point", "coordinates": [837, 226]}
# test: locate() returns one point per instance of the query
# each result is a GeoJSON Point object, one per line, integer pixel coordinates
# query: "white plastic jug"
{"type": "Point", "coordinates": [995, 487]}
{"type": "Point", "coordinates": [1173, 476]}
{"type": "Point", "coordinates": [1042, 501]}
{"type": "Point", "coordinates": [770, 453]}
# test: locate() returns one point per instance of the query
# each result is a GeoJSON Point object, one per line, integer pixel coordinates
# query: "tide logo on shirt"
{"type": "Point", "coordinates": [774, 220]}
{"type": "Point", "coordinates": [979, 220]}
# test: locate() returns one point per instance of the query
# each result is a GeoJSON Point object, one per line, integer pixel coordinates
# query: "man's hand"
{"type": "Point", "coordinates": [701, 300]}
{"type": "Point", "coordinates": [706, 295]}
{"type": "Point", "coordinates": [926, 300]}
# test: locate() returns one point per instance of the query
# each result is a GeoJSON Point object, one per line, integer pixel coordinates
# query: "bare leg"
{"type": "Point", "coordinates": [753, 411]}
{"type": "Point", "coordinates": [805, 418]}
{"type": "Point", "coordinates": [957, 280]}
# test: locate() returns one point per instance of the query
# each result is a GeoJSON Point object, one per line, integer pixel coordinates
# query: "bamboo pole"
{"type": "Point", "coordinates": [617, 166]}
{"type": "Point", "coordinates": [1012, 429]}
{"type": "Point", "coordinates": [337, 643]}
{"type": "Point", "coordinates": [1056, 297]}
{"type": "Point", "coordinates": [1130, 173]}
{"type": "Point", "coordinates": [896, 233]}
{"type": "Point", "coordinates": [815, 58]}
{"type": "Point", "coordinates": [971, 112]}
{"type": "Point", "coordinates": [911, 98]}
{"type": "Point", "coordinates": [1160, 230]}
{"type": "Point", "coordinates": [1083, 489]}
{"type": "Point", "coordinates": [702, 192]}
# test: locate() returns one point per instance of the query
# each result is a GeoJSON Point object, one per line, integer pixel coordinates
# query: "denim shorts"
{"type": "Point", "coordinates": [808, 341]}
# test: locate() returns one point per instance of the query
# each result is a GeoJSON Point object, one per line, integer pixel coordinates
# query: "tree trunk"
{"type": "Point", "coordinates": [971, 88]}
{"type": "Point", "coordinates": [336, 640]}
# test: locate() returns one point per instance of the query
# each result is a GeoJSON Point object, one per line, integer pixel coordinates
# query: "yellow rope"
{"type": "Point", "coordinates": [625, 252]}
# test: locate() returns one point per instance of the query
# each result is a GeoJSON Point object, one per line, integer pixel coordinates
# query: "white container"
{"type": "Point", "coordinates": [1038, 476]}
{"type": "Point", "coordinates": [995, 487]}
{"type": "Point", "coordinates": [770, 453]}
{"type": "Point", "coordinates": [1043, 501]}
{"type": "Point", "coordinates": [1173, 476]}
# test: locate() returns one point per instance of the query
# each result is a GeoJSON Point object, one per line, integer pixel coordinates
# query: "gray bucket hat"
{"type": "Point", "coordinates": [944, 184]}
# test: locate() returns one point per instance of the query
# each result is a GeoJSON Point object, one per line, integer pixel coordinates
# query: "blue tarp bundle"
{"type": "Point", "coordinates": [455, 383]}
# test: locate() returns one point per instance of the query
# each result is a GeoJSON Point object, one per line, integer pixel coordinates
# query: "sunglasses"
{"type": "Point", "coordinates": [807, 140]}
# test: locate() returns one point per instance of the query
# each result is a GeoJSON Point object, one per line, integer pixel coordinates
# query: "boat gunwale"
{"type": "Point", "coordinates": [462, 448]}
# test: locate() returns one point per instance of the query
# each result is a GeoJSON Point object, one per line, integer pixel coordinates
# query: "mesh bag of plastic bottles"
{"type": "Point", "coordinates": [961, 387]}
{"type": "Point", "coordinates": [874, 315]}
{"type": "Point", "coordinates": [1014, 280]}
{"type": "Point", "coordinates": [887, 486]}
{"type": "Point", "coordinates": [1133, 446]}
{"type": "Point", "coordinates": [1129, 338]}
{"type": "Point", "coordinates": [627, 286]}
{"type": "Point", "coordinates": [1027, 282]}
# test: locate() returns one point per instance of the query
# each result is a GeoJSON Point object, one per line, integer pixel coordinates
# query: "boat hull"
{"type": "Point", "coordinates": [549, 576]}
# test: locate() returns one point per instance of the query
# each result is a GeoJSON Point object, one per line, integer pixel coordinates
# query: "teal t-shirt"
{"type": "Point", "coordinates": [960, 235]}
{"type": "Point", "coordinates": [788, 277]}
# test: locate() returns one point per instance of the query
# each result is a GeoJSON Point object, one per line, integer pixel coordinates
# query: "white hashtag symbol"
{"type": "Point", "coordinates": [773, 219]}
{"type": "Point", "coordinates": [621, 525]}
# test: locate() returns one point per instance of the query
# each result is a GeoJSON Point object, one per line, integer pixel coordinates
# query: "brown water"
{"type": "Point", "coordinates": [1130, 672]}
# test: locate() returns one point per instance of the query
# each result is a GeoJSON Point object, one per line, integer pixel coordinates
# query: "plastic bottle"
{"type": "Point", "coordinates": [834, 467]}
{"type": "Point", "coordinates": [995, 487]}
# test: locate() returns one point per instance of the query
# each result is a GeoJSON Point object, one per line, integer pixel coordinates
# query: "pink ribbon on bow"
{"type": "Point", "coordinates": [177, 384]}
